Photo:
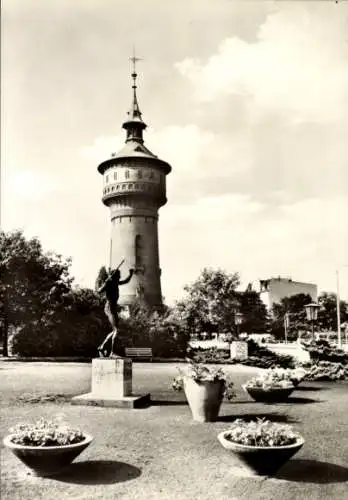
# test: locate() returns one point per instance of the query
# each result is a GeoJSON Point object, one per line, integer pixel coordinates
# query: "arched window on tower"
{"type": "Point", "coordinates": [138, 253]}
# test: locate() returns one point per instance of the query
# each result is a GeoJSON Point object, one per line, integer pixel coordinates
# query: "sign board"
{"type": "Point", "coordinates": [239, 350]}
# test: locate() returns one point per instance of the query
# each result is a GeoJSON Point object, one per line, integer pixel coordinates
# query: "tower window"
{"type": "Point", "coordinates": [140, 174]}
{"type": "Point", "coordinates": [106, 178]}
{"type": "Point", "coordinates": [115, 176]}
{"type": "Point", "coordinates": [151, 176]}
{"type": "Point", "coordinates": [126, 174]}
{"type": "Point", "coordinates": [138, 251]}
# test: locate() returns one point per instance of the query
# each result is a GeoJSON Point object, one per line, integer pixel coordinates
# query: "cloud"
{"type": "Point", "coordinates": [30, 185]}
{"type": "Point", "coordinates": [252, 118]}
{"type": "Point", "coordinates": [204, 163]}
{"type": "Point", "coordinates": [306, 240]}
{"type": "Point", "coordinates": [297, 66]}
{"type": "Point", "coordinates": [102, 148]}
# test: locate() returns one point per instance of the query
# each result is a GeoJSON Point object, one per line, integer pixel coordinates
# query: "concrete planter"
{"type": "Point", "coordinates": [258, 460]}
{"type": "Point", "coordinates": [47, 460]}
{"type": "Point", "coordinates": [273, 395]}
{"type": "Point", "coordinates": [204, 399]}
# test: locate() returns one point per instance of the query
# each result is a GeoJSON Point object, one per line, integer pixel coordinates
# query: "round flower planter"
{"type": "Point", "coordinates": [259, 460]}
{"type": "Point", "coordinates": [204, 398]}
{"type": "Point", "coordinates": [47, 460]}
{"type": "Point", "coordinates": [272, 395]}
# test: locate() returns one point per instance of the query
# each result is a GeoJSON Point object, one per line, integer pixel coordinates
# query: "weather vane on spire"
{"type": "Point", "coordinates": [134, 60]}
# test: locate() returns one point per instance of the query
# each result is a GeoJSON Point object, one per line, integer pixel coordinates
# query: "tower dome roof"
{"type": "Point", "coordinates": [134, 126]}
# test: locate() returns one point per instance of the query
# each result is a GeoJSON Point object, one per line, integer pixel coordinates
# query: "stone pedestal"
{"type": "Point", "coordinates": [239, 350]}
{"type": "Point", "coordinates": [112, 385]}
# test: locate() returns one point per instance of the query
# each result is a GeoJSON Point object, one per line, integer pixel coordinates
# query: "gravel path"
{"type": "Point", "coordinates": [159, 452]}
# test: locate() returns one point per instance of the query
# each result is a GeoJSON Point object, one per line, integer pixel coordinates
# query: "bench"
{"type": "Point", "coordinates": [139, 352]}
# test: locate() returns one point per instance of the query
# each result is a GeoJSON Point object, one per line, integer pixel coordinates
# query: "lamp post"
{"type": "Point", "coordinates": [238, 319]}
{"type": "Point", "coordinates": [312, 314]}
{"type": "Point", "coordinates": [286, 326]}
{"type": "Point", "coordinates": [338, 306]}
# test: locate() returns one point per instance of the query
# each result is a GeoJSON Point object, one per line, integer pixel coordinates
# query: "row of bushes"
{"type": "Point", "coordinates": [326, 370]}
{"type": "Point", "coordinates": [258, 356]}
{"type": "Point", "coordinates": [321, 350]}
{"type": "Point", "coordinates": [78, 331]}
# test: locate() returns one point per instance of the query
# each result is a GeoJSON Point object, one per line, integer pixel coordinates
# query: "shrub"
{"type": "Point", "coordinates": [263, 357]}
{"type": "Point", "coordinates": [326, 370]}
{"type": "Point", "coordinates": [75, 329]}
{"type": "Point", "coordinates": [276, 361]}
{"type": "Point", "coordinates": [211, 355]}
{"type": "Point", "coordinates": [321, 350]}
{"type": "Point", "coordinates": [259, 357]}
{"type": "Point", "coordinates": [163, 331]}
{"type": "Point", "coordinates": [169, 335]}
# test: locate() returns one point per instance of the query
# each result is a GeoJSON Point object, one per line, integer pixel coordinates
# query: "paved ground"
{"type": "Point", "coordinates": [158, 452]}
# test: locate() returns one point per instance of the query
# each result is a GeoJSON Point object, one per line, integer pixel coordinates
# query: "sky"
{"type": "Point", "coordinates": [247, 100]}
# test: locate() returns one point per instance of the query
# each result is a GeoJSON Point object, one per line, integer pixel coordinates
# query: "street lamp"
{"type": "Point", "coordinates": [338, 306]}
{"type": "Point", "coordinates": [286, 326]}
{"type": "Point", "coordinates": [238, 319]}
{"type": "Point", "coordinates": [312, 314]}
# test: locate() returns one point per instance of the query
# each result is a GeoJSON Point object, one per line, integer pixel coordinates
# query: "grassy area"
{"type": "Point", "coordinates": [159, 452]}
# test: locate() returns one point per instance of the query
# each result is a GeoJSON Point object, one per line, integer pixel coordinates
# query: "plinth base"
{"type": "Point", "coordinates": [90, 399]}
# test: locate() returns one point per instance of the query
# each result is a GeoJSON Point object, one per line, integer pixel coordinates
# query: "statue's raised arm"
{"type": "Point", "coordinates": [127, 280]}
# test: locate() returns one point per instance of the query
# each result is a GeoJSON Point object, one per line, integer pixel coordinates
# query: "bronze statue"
{"type": "Point", "coordinates": [111, 289]}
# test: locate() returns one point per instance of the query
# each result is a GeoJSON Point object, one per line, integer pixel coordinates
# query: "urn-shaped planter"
{"type": "Point", "coordinates": [260, 460]}
{"type": "Point", "coordinates": [47, 460]}
{"type": "Point", "coordinates": [204, 398]}
{"type": "Point", "coordinates": [204, 387]}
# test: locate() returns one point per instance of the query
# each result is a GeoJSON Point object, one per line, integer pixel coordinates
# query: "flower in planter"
{"type": "Point", "coordinates": [45, 433]}
{"type": "Point", "coordinates": [269, 380]}
{"type": "Point", "coordinates": [201, 373]}
{"type": "Point", "coordinates": [261, 433]}
{"type": "Point", "coordinates": [294, 375]}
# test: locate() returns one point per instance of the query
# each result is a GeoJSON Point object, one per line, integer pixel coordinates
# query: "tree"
{"type": "Point", "coordinates": [327, 315]}
{"type": "Point", "coordinates": [254, 312]}
{"type": "Point", "coordinates": [75, 328]}
{"type": "Point", "coordinates": [32, 283]}
{"type": "Point", "coordinates": [162, 329]}
{"type": "Point", "coordinates": [211, 301]}
{"type": "Point", "coordinates": [134, 330]}
{"type": "Point", "coordinates": [295, 306]}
